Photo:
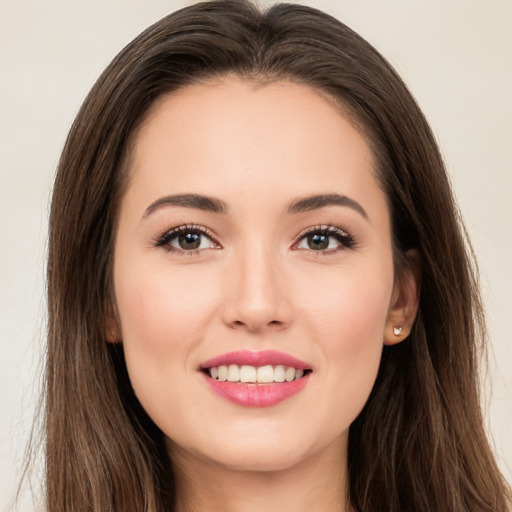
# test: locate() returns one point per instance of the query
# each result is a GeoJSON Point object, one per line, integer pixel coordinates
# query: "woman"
{"type": "Point", "coordinates": [259, 291]}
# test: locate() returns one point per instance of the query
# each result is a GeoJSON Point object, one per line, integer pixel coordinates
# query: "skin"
{"type": "Point", "coordinates": [255, 284]}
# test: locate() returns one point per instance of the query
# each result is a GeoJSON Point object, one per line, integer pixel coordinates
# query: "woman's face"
{"type": "Point", "coordinates": [253, 234]}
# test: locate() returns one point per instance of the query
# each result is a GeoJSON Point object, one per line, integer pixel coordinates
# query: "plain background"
{"type": "Point", "coordinates": [455, 55]}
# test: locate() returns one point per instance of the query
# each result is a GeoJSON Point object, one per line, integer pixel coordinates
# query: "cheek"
{"type": "Point", "coordinates": [347, 317]}
{"type": "Point", "coordinates": [160, 325]}
{"type": "Point", "coordinates": [158, 303]}
{"type": "Point", "coordinates": [348, 308]}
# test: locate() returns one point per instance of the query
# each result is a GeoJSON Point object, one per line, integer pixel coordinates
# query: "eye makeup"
{"type": "Point", "coordinates": [324, 239]}
{"type": "Point", "coordinates": [189, 239]}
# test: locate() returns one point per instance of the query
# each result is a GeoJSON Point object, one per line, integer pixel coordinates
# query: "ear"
{"type": "Point", "coordinates": [112, 330]}
{"type": "Point", "coordinates": [404, 301]}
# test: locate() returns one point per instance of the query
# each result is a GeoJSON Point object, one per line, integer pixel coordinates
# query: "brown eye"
{"type": "Point", "coordinates": [318, 242]}
{"type": "Point", "coordinates": [185, 239]}
{"type": "Point", "coordinates": [325, 239]}
{"type": "Point", "coordinates": [189, 241]}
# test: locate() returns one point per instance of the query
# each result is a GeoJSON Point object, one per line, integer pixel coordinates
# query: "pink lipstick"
{"type": "Point", "coordinates": [256, 379]}
{"type": "Point", "coordinates": [261, 358]}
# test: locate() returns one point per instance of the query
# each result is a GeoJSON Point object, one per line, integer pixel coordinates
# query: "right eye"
{"type": "Point", "coordinates": [187, 239]}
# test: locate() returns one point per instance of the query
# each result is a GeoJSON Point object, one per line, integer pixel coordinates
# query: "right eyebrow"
{"type": "Point", "coordinates": [197, 201]}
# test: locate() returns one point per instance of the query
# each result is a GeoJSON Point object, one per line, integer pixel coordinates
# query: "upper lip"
{"type": "Point", "coordinates": [256, 358]}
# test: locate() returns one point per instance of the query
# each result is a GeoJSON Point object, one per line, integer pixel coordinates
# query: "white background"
{"type": "Point", "coordinates": [454, 54]}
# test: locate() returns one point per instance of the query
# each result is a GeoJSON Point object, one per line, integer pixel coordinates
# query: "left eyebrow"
{"type": "Point", "coordinates": [315, 202]}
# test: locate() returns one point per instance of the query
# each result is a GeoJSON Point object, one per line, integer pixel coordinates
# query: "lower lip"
{"type": "Point", "coordinates": [256, 395]}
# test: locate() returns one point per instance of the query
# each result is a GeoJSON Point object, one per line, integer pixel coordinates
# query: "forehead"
{"type": "Point", "coordinates": [231, 134]}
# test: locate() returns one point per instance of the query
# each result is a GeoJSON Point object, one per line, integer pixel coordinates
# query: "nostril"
{"type": "Point", "coordinates": [255, 322]}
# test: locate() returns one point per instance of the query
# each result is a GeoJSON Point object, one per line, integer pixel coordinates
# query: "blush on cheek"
{"type": "Point", "coordinates": [350, 330]}
{"type": "Point", "coordinates": [151, 298]}
{"type": "Point", "coordinates": [350, 314]}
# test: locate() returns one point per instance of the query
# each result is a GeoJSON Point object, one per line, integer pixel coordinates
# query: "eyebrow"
{"type": "Point", "coordinates": [196, 201]}
{"type": "Point", "coordinates": [211, 204]}
{"type": "Point", "coordinates": [315, 202]}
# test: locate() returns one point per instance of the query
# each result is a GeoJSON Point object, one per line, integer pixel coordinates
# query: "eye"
{"type": "Point", "coordinates": [326, 239]}
{"type": "Point", "coordinates": [187, 239]}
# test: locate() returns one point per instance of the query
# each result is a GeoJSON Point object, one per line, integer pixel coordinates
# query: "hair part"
{"type": "Point", "coordinates": [419, 443]}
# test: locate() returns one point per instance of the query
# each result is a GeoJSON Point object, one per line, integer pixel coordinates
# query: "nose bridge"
{"type": "Point", "coordinates": [257, 300]}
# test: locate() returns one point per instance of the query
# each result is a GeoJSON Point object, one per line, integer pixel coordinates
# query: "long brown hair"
{"type": "Point", "coordinates": [419, 443]}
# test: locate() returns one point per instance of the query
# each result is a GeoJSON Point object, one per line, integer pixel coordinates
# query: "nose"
{"type": "Point", "coordinates": [256, 296]}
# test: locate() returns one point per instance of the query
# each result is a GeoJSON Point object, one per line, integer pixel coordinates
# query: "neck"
{"type": "Point", "coordinates": [317, 483]}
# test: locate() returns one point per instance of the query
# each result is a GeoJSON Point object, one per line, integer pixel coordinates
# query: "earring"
{"type": "Point", "coordinates": [113, 336]}
{"type": "Point", "coordinates": [398, 330]}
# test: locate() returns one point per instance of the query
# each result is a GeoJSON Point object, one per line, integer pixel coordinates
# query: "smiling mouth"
{"type": "Point", "coordinates": [246, 374]}
{"type": "Point", "coordinates": [256, 378]}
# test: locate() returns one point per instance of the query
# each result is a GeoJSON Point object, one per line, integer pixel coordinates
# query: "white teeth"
{"type": "Point", "coordinates": [289, 374]}
{"type": "Point", "coordinates": [262, 374]}
{"type": "Point", "coordinates": [265, 374]}
{"type": "Point", "coordinates": [233, 373]}
{"type": "Point", "coordinates": [247, 374]}
{"type": "Point", "coordinates": [223, 373]}
{"type": "Point", "coordinates": [279, 373]}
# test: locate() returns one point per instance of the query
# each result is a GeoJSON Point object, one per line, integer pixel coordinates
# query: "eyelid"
{"type": "Point", "coordinates": [164, 239]}
{"type": "Point", "coordinates": [345, 239]}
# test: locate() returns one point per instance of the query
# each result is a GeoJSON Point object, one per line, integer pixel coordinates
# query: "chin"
{"type": "Point", "coordinates": [264, 451]}
{"type": "Point", "coordinates": [259, 460]}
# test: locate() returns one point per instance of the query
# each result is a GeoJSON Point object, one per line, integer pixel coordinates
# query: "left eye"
{"type": "Point", "coordinates": [325, 240]}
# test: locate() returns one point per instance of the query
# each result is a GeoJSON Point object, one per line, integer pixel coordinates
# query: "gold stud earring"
{"type": "Point", "coordinates": [398, 330]}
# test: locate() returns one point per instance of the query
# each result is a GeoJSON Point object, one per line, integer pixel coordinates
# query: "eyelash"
{"type": "Point", "coordinates": [165, 238]}
{"type": "Point", "coordinates": [345, 240]}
